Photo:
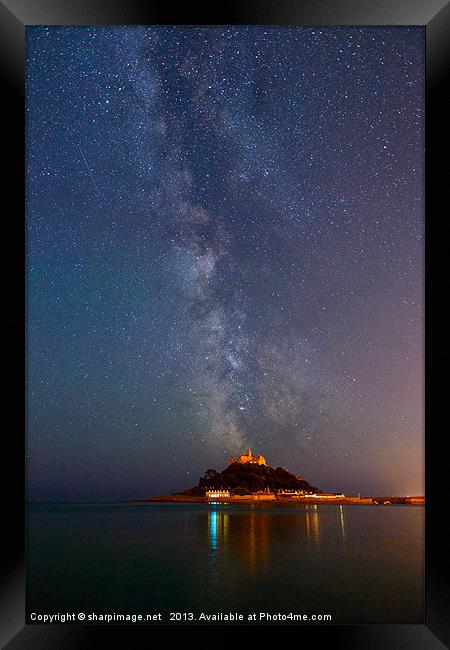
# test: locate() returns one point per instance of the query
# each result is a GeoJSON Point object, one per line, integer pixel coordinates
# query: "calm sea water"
{"type": "Point", "coordinates": [361, 564]}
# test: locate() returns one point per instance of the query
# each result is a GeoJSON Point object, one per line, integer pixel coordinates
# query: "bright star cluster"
{"type": "Point", "coordinates": [224, 250]}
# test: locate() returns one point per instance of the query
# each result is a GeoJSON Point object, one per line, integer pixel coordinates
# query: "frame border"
{"type": "Point", "coordinates": [15, 15]}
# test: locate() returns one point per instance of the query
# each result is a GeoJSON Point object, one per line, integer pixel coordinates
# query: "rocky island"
{"type": "Point", "coordinates": [249, 478]}
{"type": "Point", "coordinates": [250, 475]}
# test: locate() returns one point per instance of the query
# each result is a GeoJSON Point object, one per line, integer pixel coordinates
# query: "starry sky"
{"type": "Point", "coordinates": [224, 250]}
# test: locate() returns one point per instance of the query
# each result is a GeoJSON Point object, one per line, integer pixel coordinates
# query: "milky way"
{"type": "Point", "coordinates": [225, 249]}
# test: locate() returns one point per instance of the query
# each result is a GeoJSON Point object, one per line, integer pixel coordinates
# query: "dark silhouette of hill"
{"type": "Point", "coordinates": [247, 478]}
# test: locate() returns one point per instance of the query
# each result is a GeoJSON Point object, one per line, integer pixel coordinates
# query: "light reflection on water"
{"type": "Point", "coordinates": [312, 523]}
{"type": "Point", "coordinates": [248, 535]}
{"type": "Point", "coordinates": [258, 524]}
{"type": "Point", "coordinates": [212, 519]}
{"type": "Point", "coordinates": [223, 555]}
{"type": "Point", "coordinates": [341, 516]}
{"type": "Point", "coordinates": [253, 534]}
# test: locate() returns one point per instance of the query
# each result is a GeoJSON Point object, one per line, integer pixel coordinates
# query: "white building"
{"type": "Point", "coordinates": [217, 494]}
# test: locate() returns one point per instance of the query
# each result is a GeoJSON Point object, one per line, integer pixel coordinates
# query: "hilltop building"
{"type": "Point", "coordinates": [249, 458]}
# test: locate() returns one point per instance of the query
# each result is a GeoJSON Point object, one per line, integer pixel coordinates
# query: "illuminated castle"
{"type": "Point", "coordinates": [249, 458]}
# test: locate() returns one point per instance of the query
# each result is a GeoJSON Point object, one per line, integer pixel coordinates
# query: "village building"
{"type": "Point", "coordinates": [217, 494]}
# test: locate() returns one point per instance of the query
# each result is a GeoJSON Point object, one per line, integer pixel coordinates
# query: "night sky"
{"type": "Point", "coordinates": [224, 250]}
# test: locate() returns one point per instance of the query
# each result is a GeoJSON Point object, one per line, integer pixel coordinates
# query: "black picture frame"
{"type": "Point", "coordinates": [15, 15]}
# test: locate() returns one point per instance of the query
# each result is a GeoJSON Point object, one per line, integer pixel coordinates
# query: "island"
{"type": "Point", "coordinates": [249, 478]}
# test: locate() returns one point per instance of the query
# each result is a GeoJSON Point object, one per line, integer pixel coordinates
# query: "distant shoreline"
{"type": "Point", "coordinates": [183, 498]}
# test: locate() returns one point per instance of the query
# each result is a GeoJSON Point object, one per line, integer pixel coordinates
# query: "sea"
{"type": "Point", "coordinates": [196, 563]}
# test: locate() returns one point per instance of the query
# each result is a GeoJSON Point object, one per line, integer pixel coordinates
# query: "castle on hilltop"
{"type": "Point", "coordinates": [249, 458]}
